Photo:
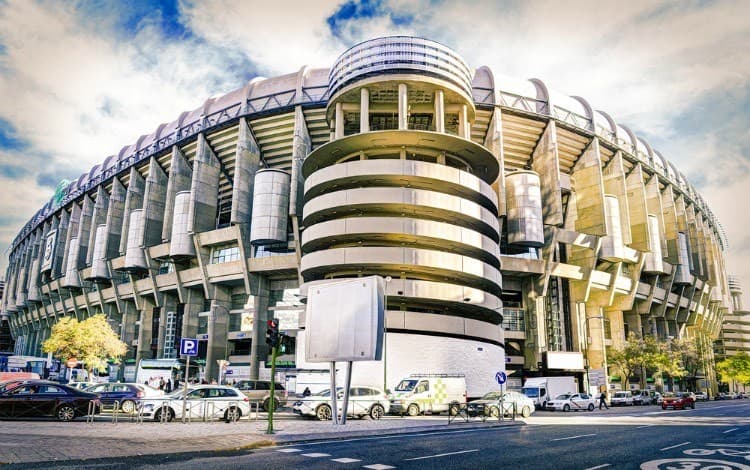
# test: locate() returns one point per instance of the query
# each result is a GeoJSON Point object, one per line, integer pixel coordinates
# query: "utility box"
{"type": "Point", "coordinates": [344, 320]}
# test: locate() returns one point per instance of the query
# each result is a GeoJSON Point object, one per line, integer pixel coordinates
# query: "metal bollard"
{"type": "Point", "coordinates": [138, 416]}
{"type": "Point", "coordinates": [115, 411]}
{"type": "Point", "coordinates": [91, 412]}
{"type": "Point", "coordinates": [164, 415]}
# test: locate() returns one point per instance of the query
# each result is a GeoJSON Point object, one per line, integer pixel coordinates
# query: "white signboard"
{"type": "Point", "coordinates": [246, 321]}
{"type": "Point", "coordinates": [288, 319]}
{"type": "Point", "coordinates": [345, 320]}
{"type": "Point", "coordinates": [49, 250]}
{"type": "Point", "coordinates": [564, 360]}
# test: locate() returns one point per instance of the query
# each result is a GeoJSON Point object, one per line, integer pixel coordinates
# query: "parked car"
{"type": "Point", "coordinates": [622, 398]}
{"type": "Point", "coordinates": [491, 404]}
{"type": "Point", "coordinates": [701, 396]}
{"type": "Point", "coordinates": [429, 393]}
{"type": "Point", "coordinates": [82, 385]}
{"type": "Point", "coordinates": [363, 401]}
{"type": "Point", "coordinates": [678, 400]}
{"type": "Point", "coordinates": [644, 397]}
{"type": "Point", "coordinates": [125, 395]}
{"type": "Point", "coordinates": [572, 401]}
{"type": "Point", "coordinates": [9, 384]}
{"type": "Point", "coordinates": [203, 401]}
{"type": "Point", "coordinates": [260, 391]}
{"type": "Point", "coordinates": [44, 398]}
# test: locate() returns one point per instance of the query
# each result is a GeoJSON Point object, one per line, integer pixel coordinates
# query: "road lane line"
{"type": "Point", "coordinates": [675, 446]}
{"type": "Point", "coordinates": [729, 445]}
{"type": "Point", "coordinates": [730, 430]}
{"type": "Point", "coordinates": [405, 435]}
{"type": "Point", "coordinates": [346, 460]}
{"type": "Point", "coordinates": [287, 451]}
{"type": "Point", "coordinates": [600, 466]}
{"type": "Point", "coordinates": [573, 437]}
{"type": "Point", "coordinates": [443, 455]}
{"type": "Point", "coordinates": [316, 455]}
{"type": "Point", "coordinates": [378, 466]}
{"type": "Point", "coordinates": [646, 426]}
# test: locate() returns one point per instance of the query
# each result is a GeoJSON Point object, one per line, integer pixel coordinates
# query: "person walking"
{"type": "Point", "coordinates": [168, 386]}
{"type": "Point", "coordinates": [306, 393]}
{"type": "Point", "coordinates": [603, 400]}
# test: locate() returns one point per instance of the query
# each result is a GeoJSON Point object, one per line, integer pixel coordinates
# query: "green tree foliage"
{"type": "Point", "coordinates": [637, 353]}
{"type": "Point", "coordinates": [735, 368]}
{"type": "Point", "coordinates": [92, 341]}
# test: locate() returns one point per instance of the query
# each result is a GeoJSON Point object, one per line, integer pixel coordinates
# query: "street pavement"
{"type": "Point", "coordinates": [714, 435]}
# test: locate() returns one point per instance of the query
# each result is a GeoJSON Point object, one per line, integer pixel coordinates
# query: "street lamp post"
{"type": "Point", "coordinates": [388, 280]}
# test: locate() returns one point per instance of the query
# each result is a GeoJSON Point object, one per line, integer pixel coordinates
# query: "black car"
{"type": "Point", "coordinates": [44, 398]}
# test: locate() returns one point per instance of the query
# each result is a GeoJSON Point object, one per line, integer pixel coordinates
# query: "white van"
{"type": "Point", "coordinates": [431, 393]}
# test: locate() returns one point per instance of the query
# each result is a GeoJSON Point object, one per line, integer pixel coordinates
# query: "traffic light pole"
{"type": "Point", "coordinates": [272, 399]}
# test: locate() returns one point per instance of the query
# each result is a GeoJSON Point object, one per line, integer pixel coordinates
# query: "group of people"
{"type": "Point", "coordinates": [159, 383]}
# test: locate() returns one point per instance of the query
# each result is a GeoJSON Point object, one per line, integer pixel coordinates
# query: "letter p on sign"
{"type": "Point", "coordinates": [188, 347]}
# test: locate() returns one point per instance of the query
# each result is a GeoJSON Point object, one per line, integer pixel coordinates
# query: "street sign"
{"type": "Point", "coordinates": [501, 377]}
{"type": "Point", "coordinates": [188, 347]}
{"type": "Point", "coordinates": [72, 362]}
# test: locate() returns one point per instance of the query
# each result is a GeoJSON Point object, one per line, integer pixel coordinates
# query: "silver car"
{"type": "Point", "coordinates": [491, 404]}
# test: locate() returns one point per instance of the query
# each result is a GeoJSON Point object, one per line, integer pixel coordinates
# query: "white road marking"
{"type": "Point", "coordinates": [345, 460]}
{"type": "Point", "coordinates": [378, 466]}
{"type": "Point", "coordinates": [288, 451]}
{"type": "Point", "coordinates": [316, 455]}
{"type": "Point", "coordinates": [675, 446]}
{"type": "Point", "coordinates": [600, 466]}
{"type": "Point", "coordinates": [646, 426]}
{"type": "Point", "coordinates": [728, 445]}
{"type": "Point", "coordinates": [405, 436]}
{"type": "Point", "coordinates": [443, 455]}
{"type": "Point", "coordinates": [573, 437]}
{"type": "Point", "coordinates": [730, 430]}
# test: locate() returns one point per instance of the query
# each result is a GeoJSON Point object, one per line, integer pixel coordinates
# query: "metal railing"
{"type": "Point", "coordinates": [503, 411]}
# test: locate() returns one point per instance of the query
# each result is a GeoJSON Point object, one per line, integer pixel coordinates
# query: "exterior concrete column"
{"type": "Point", "coordinates": [218, 326]}
{"type": "Point", "coordinates": [339, 123]}
{"type": "Point", "coordinates": [364, 110]}
{"type": "Point", "coordinates": [84, 230]}
{"type": "Point", "coordinates": [145, 331]}
{"type": "Point", "coordinates": [463, 116]}
{"type": "Point", "coordinates": [204, 191]}
{"type": "Point", "coordinates": [403, 106]}
{"type": "Point", "coordinates": [439, 111]}
{"type": "Point", "coordinates": [98, 217]}
{"type": "Point", "coordinates": [259, 305]}
{"type": "Point", "coordinates": [128, 327]}
{"type": "Point", "coordinates": [133, 201]}
{"type": "Point", "coordinates": [153, 204]}
{"type": "Point", "coordinates": [247, 162]}
{"type": "Point", "coordinates": [193, 306]}
{"type": "Point", "coordinates": [180, 175]}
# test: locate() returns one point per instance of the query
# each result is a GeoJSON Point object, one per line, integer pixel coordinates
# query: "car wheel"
{"type": "Point", "coordinates": [128, 406]}
{"type": "Point", "coordinates": [377, 411]}
{"type": "Point", "coordinates": [454, 409]}
{"type": "Point", "coordinates": [413, 410]}
{"type": "Point", "coordinates": [566, 408]}
{"type": "Point", "coordinates": [526, 411]}
{"type": "Point", "coordinates": [323, 412]}
{"type": "Point", "coordinates": [168, 418]}
{"type": "Point", "coordinates": [66, 413]}
{"type": "Point", "coordinates": [267, 402]}
{"type": "Point", "coordinates": [663, 407]}
{"type": "Point", "coordinates": [494, 412]}
{"type": "Point", "coordinates": [232, 414]}
{"type": "Point", "coordinates": [591, 407]}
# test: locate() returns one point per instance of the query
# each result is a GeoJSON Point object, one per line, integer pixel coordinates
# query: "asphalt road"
{"type": "Point", "coordinates": [715, 435]}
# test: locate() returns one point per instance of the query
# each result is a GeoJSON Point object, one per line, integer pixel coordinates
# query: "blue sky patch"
{"type": "Point", "coordinates": [130, 17]}
{"type": "Point", "coordinates": [9, 140]}
{"type": "Point", "coordinates": [363, 10]}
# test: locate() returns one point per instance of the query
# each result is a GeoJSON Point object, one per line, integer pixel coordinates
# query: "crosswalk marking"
{"type": "Point", "coordinates": [316, 455]}
{"type": "Point", "coordinates": [289, 450]}
{"type": "Point", "coordinates": [345, 460]}
{"type": "Point", "coordinates": [378, 466]}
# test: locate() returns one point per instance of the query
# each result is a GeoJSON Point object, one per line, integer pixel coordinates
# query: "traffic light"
{"type": "Point", "coordinates": [272, 333]}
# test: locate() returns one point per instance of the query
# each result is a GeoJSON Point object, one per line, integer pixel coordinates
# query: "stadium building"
{"type": "Point", "coordinates": [521, 229]}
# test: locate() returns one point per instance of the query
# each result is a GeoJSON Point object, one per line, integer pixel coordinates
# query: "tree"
{"type": "Point", "coordinates": [92, 341]}
{"type": "Point", "coordinates": [638, 353]}
{"type": "Point", "coordinates": [735, 368]}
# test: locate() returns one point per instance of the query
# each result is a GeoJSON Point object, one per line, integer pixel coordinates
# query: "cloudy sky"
{"type": "Point", "coordinates": [81, 79]}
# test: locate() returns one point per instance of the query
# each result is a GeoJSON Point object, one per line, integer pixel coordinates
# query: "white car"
{"type": "Point", "coordinates": [622, 398]}
{"type": "Point", "coordinates": [572, 401]}
{"type": "Point", "coordinates": [203, 401]}
{"type": "Point", "coordinates": [363, 401]}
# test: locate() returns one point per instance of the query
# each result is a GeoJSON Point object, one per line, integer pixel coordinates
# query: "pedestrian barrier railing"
{"type": "Point", "coordinates": [162, 410]}
{"type": "Point", "coordinates": [91, 412]}
{"type": "Point", "coordinates": [502, 411]}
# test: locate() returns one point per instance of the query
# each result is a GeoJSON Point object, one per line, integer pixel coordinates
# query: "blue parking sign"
{"type": "Point", "coordinates": [188, 347]}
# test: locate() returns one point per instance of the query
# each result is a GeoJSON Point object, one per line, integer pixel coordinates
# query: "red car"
{"type": "Point", "coordinates": [679, 400]}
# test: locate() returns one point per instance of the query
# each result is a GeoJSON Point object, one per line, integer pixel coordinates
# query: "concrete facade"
{"type": "Point", "coordinates": [514, 222]}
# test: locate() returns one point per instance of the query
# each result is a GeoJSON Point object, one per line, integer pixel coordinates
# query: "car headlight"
{"type": "Point", "coordinates": [297, 403]}
{"type": "Point", "coordinates": [148, 406]}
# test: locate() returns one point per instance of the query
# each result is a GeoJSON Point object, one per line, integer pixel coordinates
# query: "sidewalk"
{"type": "Point", "coordinates": [49, 441]}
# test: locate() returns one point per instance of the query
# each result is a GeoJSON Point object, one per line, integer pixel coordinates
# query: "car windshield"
{"type": "Point", "coordinates": [491, 396]}
{"type": "Point", "coordinates": [564, 396]}
{"type": "Point", "coordinates": [406, 385]}
{"type": "Point", "coordinates": [531, 392]}
{"type": "Point", "coordinates": [621, 394]}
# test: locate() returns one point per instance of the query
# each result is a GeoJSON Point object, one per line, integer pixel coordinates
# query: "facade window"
{"type": "Point", "coordinates": [166, 267]}
{"type": "Point", "coordinates": [225, 254]}
{"type": "Point", "coordinates": [224, 217]}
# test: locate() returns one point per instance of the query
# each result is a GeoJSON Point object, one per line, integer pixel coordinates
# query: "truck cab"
{"type": "Point", "coordinates": [543, 389]}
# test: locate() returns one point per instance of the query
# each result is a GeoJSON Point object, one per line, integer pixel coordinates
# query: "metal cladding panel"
{"type": "Point", "coordinates": [99, 268]}
{"type": "Point", "coordinates": [524, 208]}
{"type": "Point", "coordinates": [270, 207]}
{"type": "Point", "coordinates": [134, 256]}
{"type": "Point", "coordinates": [71, 272]}
{"type": "Point", "coordinates": [682, 276]}
{"type": "Point", "coordinates": [654, 259]}
{"type": "Point", "coordinates": [612, 248]}
{"type": "Point", "coordinates": [344, 320]}
{"type": "Point", "coordinates": [182, 240]}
